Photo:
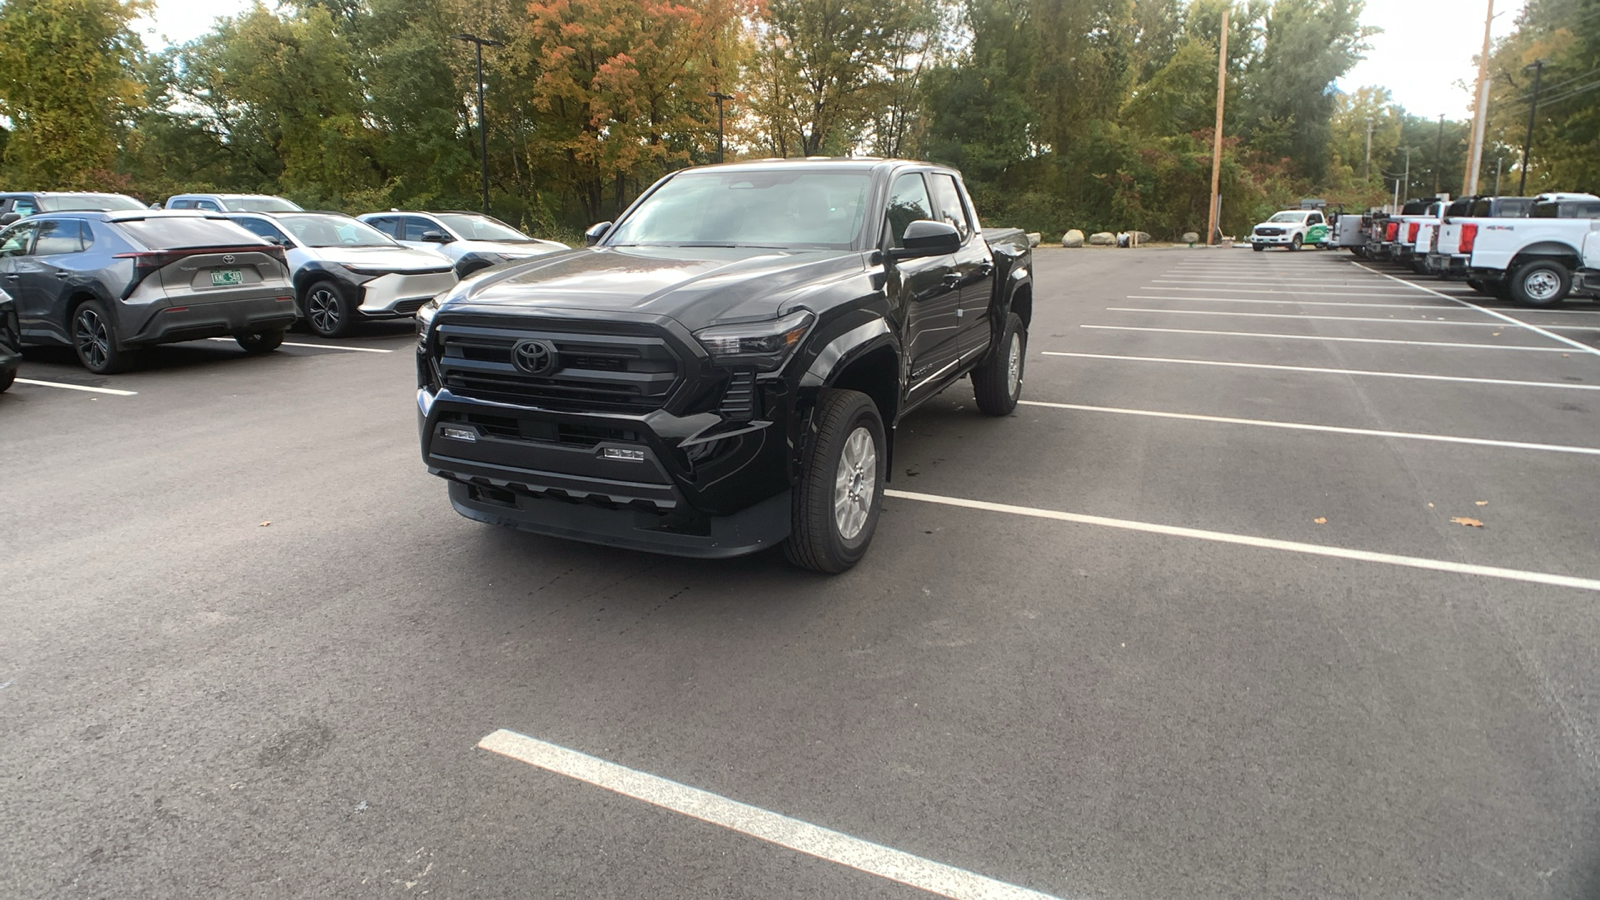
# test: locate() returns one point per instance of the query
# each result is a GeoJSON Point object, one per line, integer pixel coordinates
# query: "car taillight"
{"type": "Point", "coordinates": [1411, 236]}
{"type": "Point", "coordinates": [145, 263]}
{"type": "Point", "coordinates": [1392, 231]}
{"type": "Point", "coordinates": [1469, 236]}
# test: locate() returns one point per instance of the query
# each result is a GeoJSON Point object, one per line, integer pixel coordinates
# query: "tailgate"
{"type": "Point", "coordinates": [207, 275]}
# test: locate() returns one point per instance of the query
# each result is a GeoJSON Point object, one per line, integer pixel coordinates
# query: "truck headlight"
{"type": "Point", "coordinates": [425, 314]}
{"type": "Point", "coordinates": [764, 345]}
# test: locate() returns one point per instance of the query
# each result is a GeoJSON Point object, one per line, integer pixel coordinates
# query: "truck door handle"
{"type": "Point", "coordinates": [986, 270]}
{"type": "Point", "coordinates": [12, 276]}
{"type": "Point", "coordinates": [953, 280]}
{"type": "Point", "coordinates": [61, 275]}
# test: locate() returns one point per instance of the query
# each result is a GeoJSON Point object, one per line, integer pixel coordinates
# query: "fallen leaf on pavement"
{"type": "Point", "coordinates": [1470, 523]}
{"type": "Point", "coordinates": [1482, 502]}
{"type": "Point", "coordinates": [1430, 506]}
{"type": "Point", "coordinates": [264, 524]}
{"type": "Point", "coordinates": [1321, 521]}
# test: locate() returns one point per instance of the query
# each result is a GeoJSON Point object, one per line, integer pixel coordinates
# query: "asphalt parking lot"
{"type": "Point", "coordinates": [1281, 583]}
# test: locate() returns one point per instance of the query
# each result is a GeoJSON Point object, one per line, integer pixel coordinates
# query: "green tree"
{"type": "Point", "coordinates": [66, 85]}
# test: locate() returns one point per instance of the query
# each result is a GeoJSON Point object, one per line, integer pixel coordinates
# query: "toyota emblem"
{"type": "Point", "coordinates": [534, 357]}
{"type": "Point", "coordinates": [228, 259]}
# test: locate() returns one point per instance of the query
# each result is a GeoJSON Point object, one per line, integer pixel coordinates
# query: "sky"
{"type": "Point", "coordinates": [1426, 47]}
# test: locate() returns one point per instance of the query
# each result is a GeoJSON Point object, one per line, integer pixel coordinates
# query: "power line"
{"type": "Point", "coordinates": [1572, 93]}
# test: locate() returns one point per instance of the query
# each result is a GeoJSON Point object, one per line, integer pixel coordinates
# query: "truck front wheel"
{"type": "Point", "coordinates": [997, 382]}
{"type": "Point", "coordinates": [1542, 282]}
{"type": "Point", "coordinates": [840, 492]}
{"type": "Point", "coordinates": [1296, 243]}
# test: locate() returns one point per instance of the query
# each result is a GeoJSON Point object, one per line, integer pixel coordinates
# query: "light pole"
{"type": "Point", "coordinates": [1527, 146]}
{"type": "Point", "coordinates": [719, 97]}
{"type": "Point", "coordinates": [483, 133]}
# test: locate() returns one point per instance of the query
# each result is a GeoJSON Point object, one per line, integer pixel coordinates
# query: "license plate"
{"type": "Point", "coordinates": [223, 277]}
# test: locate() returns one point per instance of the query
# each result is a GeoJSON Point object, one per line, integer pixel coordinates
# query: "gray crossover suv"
{"type": "Point", "coordinates": [106, 283]}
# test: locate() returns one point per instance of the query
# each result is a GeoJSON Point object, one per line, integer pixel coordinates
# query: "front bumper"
{"type": "Point", "coordinates": [1272, 240]}
{"type": "Point", "coordinates": [397, 294]}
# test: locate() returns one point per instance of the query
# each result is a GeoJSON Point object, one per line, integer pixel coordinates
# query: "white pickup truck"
{"type": "Point", "coordinates": [1445, 258]}
{"type": "Point", "coordinates": [1532, 260]}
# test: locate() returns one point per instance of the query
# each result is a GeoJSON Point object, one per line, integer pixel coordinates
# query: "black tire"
{"type": "Point", "coordinates": [1296, 242]}
{"type": "Point", "coordinates": [1419, 266]}
{"type": "Point", "coordinates": [94, 338]}
{"type": "Point", "coordinates": [6, 380]}
{"type": "Point", "coordinates": [818, 539]}
{"type": "Point", "coordinates": [258, 342]}
{"type": "Point", "coordinates": [1543, 282]}
{"type": "Point", "coordinates": [1258, 247]}
{"type": "Point", "coordinates": [994, 382]}
{"type": "Point", "coordinates": [1478, 286]}
{"type": "Point", "coordinates": [328, 311]}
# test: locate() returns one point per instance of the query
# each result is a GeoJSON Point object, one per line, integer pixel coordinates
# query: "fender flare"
{"type": "Point", "coordinates": [836, 355]}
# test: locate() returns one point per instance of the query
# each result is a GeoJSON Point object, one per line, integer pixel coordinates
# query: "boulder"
{"type": "Point", "coordinates": [1073, 238]}
{"type": "Point", "coordinates": [1141, 237]}
{"type": "Point", "coordinates": [1190, 237]}
{"type": "Point", "coordinates": [1103, 239]}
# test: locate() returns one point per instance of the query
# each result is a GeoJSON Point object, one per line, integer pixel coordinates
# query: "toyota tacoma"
{"type": "Point", "coordinates": [722, 369]}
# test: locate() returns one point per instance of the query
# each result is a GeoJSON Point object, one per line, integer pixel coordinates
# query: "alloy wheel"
{"type": "Point", "coordinates": [322, 308]}
{"type": "Point", "coordinates": [92, 337]}
{"type": "Point", "coordinates": [855, 483]}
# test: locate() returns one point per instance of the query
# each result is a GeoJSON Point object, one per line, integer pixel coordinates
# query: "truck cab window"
{"type": "Point", "coordinates": [951, 208]}
{"type": "Point", "coordinates": [908, 202]}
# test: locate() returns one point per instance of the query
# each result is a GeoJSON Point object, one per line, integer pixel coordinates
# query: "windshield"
{"type": "Point", "coordinates": [482, 228]}
{"type": "Point", "coordinates": [260, 204]}
{"type": "Point", "coordinates": [1288, 217]}
{"type": "Point", "coordinates": [334, 231]}
{"type": "Point", "coordinates": [66, 202]}
{"type": "Point", "coordinates": [780, 209]}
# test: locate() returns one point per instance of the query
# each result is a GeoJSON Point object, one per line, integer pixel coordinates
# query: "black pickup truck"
{"type": "Point", "coordinates": [723, 368]}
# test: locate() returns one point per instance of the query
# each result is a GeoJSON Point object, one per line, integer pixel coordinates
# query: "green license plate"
{"type": "Point", "coordinates": [223, 277]}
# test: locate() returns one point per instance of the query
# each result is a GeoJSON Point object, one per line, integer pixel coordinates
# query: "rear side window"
{"type": "Point", "coordinates": [181, 204]}
{"type": "Point", "coordinates": [907, 203]}
{"type": "Point", "coordinates": [415, 228]}
{"type": "Point", "coordinates": [24, 207]}
{"type": "Point", "coordinates": [263, 229]}
{"type": "Point", "coordinates": [57, 236]}
{"type": "Point", "coordinates": [950, 206]}
{"type": "Point", "coordinates": [179, 232]}
{"type": "Point", "coordinates": [1461, 208]}
{"type": "Point", "coordinates": [1512, 209]}
{"type": "Point", "coordinates": [387, 225]}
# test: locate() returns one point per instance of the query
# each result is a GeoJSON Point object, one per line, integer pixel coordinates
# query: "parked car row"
{"type": "Point", "coordinates": [106, 275]}
{"type": "Point", "coordinates": [1535, 251]}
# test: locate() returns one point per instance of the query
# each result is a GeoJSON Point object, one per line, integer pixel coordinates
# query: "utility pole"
{"type": "Point", "coordinates": [1480, 117]}
{"type": "Point", "coordinates": [1438, 160]}
{"type": "Point", "coordinates": [1216, 142]}
{"type": "Point", "coordinates": [483, 133]}
{"type": "Point", "coordinates": [1499, 165]}
{"type": "Point", "coordinates": [719, 97]}
{"type": "Point", "coordinates": [1527, 146]}
{"type": "Point", "coordinates": [1366, 171]}
{"type": "Point", "coordinates": [1406, 194]}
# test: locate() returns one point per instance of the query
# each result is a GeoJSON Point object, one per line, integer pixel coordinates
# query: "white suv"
{"type": "Point", "coordinates": [474, 241]}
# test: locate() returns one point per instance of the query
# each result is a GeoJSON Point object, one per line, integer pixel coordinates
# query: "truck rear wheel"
{"type": "Point", "coordinates": [840, 492]}
{"type": "Point", "coordinates": [997, 382]}
{"type": "Point", "coordinates": [1543, 282]}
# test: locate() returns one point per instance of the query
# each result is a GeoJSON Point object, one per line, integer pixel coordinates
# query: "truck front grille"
{"type": "Point", "coordinates": [630, 373]}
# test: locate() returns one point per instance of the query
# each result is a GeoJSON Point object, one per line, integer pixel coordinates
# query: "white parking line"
{"type": "Point", "coordinates": [76, 387]}
{"type": "Point", "coordinates": [1319, 337]}
{"type": "Point", "coordinates": [1223, 537]}
{"type": "Point", "coordinates": [1229, 312]}
{"type": "Point", "coordinates": [1319, 293]}
{"type": "Point", "coordinates": [812, 840]}
{"type": "Point", "coordinates": [1317, 370]}
{"type": "Point", "coordinates": [1326, 429]}
{"type": "Point", "coordinates": [1350, 303]}
{"type": "Point", "coordinates": [317, 346]}
{"type": "Point", "coordinates": [1531, 327]}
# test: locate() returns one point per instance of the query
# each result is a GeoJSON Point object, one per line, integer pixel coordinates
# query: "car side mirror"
{"type": "Point", "coordinates": [596, 233]}
{"type": "Point", "coordinates": [925, 237]}
{"type": "Point", "coordinates": [8, 218]}
{"type": "Point", "coordinates": [436, 237]}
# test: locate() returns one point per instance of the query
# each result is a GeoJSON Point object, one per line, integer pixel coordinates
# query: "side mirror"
{"type": "Point", "coordinates": [925, 237]}
{"type": "Point", "coordinates": [436, 237]}
{"type": "Point", "coordinates": [596, 233]}
{"type": "Point", "coordinates": [8, 218]}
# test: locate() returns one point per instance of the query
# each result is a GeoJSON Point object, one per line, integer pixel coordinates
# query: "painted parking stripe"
{"type": "Point", "coordinates": [1318, 292]}
{"type": "Point", "coordinates": [1320, 337]}
{"type": "Point", "coordinates": [1325, 429]}
{"type": "Point", "coordinates": [1317, 370]}
{"type": "Point", "coordinates": [1247, 540]}
{"type": "Point", "coordinates": [774, 828]}
{"type": "Point", "coordinates": [76, 387]}
{"type": "Point", "coordinates": [1351, 303]}
{"type": "Point", "coordinates": [1255, 315]}
{"type": "Point", "coordinates": [1528, 325]}
{"type": "Point", "coordinates": [317, 346]}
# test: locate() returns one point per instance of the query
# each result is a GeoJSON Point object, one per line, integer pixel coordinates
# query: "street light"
{"type": "Point", "coordinates": [719, 97]}
{"type": "Point", "coordinates": [1527, 146]}
{"type": "Point", "coordinates": [483, 134]}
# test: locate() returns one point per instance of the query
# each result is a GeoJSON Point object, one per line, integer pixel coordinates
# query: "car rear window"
{"type": "Point", "coordinates": [88, 202]}
{"type": "Point", "coordinates": [177, 232]}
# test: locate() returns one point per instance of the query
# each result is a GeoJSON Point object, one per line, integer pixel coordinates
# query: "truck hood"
{"type": "Point", "coordinates": [696, 286]}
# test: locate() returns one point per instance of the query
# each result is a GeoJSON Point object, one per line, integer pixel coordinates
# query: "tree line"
{"type": "Point", "coordinates": [1092, 114]}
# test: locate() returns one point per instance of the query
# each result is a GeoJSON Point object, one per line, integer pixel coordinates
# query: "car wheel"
{"type": "Point", "coordinates": [6, 380]}
{"type": "Point", "coordinates": [1478, 286]}
{"type": "Point", "coordinates": [1296, 242]}
{"type": "Point", "coordinates": [1419, 266]}
{"type": "Point", "coordinates": [328, 311]}
{"type": "Point", "coordinates": [1543, 282]}
{"type": "Point", "coordinates": [260, 341]}
{"type": "Point", "coordinates": [94, 337]}
{"type": "Point", "coordinates": [840, 492]}
{"type": "Point", "coordinates": [1258, 247]}
{"type": "Point", "coordinates": [998, 381]}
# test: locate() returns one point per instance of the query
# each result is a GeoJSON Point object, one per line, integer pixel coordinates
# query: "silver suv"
{"type": "Point", "coordinates": [474, 241]}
